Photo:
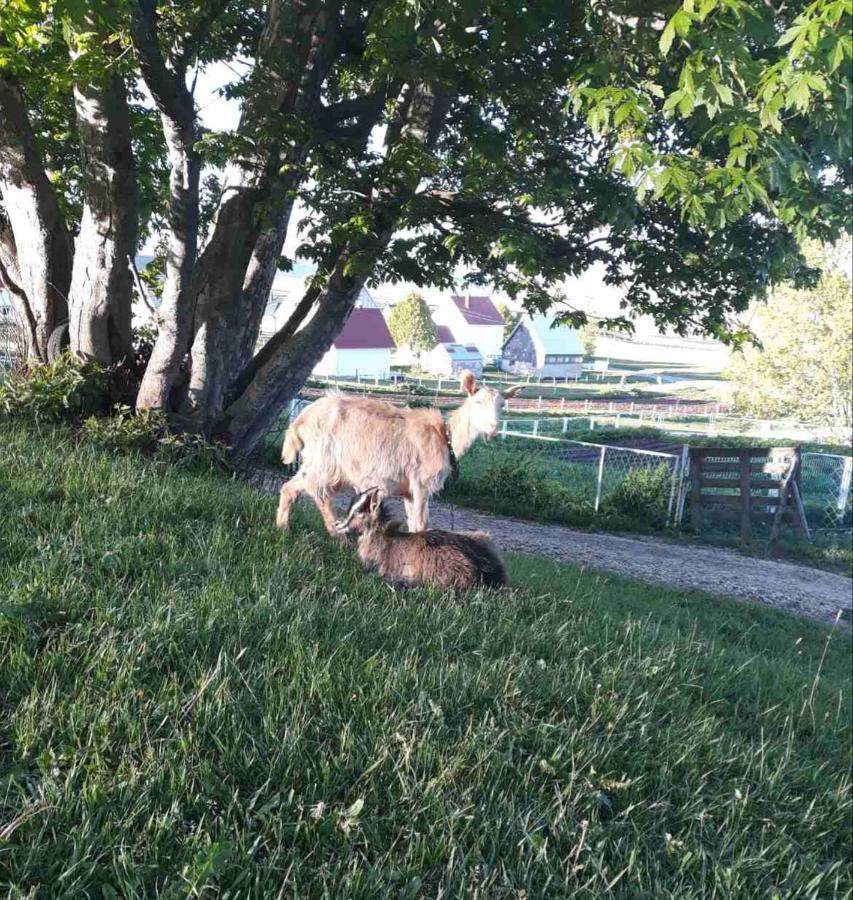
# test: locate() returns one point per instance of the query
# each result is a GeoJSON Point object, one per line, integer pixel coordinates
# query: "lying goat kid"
{"type": "Point", "coordinates": [444, 558]}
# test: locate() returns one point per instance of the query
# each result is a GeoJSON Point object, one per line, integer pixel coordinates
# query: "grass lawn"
{"type": "Point", "coordinates": [192, 704]}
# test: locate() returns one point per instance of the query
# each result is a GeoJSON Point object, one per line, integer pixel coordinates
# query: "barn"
{"type": "Point", "coordinates": [475, 321]}
{"type": "Point", "coordinates": [537, 347]}
{"type": "Point", "coordinates": [363, 347]}
{"type": "Point", "coordinates": [448, 357]}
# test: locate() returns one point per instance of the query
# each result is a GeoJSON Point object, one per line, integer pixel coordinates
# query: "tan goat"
{"type": "Point", "coordinates": [360, 443]}
{"type": "Point", "coordinates": [465, 559]}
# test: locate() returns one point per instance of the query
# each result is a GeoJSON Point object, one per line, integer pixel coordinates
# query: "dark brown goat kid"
{"type": "Point", "coordinates": [465, 559]}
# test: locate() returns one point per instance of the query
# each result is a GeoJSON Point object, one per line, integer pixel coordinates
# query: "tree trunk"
{"type": "Point", "coordinates": [39, 236]}
{"type": "Point", "coordinates": [281, 371]}
{"type": "Point", "coordinates": [294, 53]}
{"type": "Point", "coordinates": [101, 282]}
{"type": "Point", "coordinates": [168, 86]}
{"type": "Point", "coordinates": [256, 288]}
{"type": "Point", "coordinates": [175, 312]}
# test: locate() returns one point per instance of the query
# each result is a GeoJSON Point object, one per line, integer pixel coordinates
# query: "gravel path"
{"type": "Point", "coordinates": [800, 589]}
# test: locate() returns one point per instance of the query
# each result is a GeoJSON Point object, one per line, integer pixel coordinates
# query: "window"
{"type": "Point", "coordinates": [554, 358]}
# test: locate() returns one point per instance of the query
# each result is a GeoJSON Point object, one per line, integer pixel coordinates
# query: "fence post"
{"type": "Point", "coordinates": [592, 423]}
{"type": "Point", "coordinates": [844, 489]}
{"type": "Point", "coordinates": [632, 406]}
{"type": "Point", "coordinates": [600, 479]}
{"type": "Point", "coordinates": [675, 468]}
{"type": "Point", "coordinates": [565, 424]}
{"type": "Point", "coordinates": [439, 384]}
{"type": "Point", "coordinates": [684, 474]}
{"type": "Point", "coordinates": [535, 427]}
{"type": "Point", "coordinates": [562, 403]}
{"type": "Point", "coordinates": [503, 429]}
{"type": "Point", "coordinates": [586, 405]}
{"type": "Point", "coordinates": [539, 405]}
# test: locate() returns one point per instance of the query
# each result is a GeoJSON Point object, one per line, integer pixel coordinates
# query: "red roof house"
{"type": "Point", "coordinates": [363, 348]}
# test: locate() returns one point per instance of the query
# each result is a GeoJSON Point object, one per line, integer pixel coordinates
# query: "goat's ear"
{"type": "Point", "coordinates": [509, 393]}
{"type": "Point", "coordinates": [359, 502]}
{"type": "Point", "coordinates": [373, 499]}
{"type": "Point", "coordinates": [469, 384]}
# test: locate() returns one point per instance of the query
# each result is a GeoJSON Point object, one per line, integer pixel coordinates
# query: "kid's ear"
{"type": "Point", "coordinates": [469, 385]}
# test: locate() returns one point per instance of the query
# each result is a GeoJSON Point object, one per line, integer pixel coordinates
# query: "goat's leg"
{"type": "Point", "coordinates": [326, 505]}
{"type": "Point", "coordinates": [418, 512]}
{"type": "Point", "coordinates": [290, 490]}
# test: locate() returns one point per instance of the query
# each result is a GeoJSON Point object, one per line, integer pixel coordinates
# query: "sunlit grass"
{"type": "Point", "coordinates": [192, 703]}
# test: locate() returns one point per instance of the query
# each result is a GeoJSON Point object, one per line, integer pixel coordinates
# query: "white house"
{"type": "Point", "coordinates": [475, 321]}
{"type": "Point", "coordinates": [362, 348]}
{"type": "Point", "coordinates": [448, 357]}
{"type": "Point", "coordinates": [536, 348]}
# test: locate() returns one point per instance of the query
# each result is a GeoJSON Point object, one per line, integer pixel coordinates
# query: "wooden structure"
{"type": "Point", "coordinates": [754, 483]}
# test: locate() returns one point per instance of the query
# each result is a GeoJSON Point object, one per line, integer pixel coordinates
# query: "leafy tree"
{"type": "Point", "coordinates": [589, 338]}
{"type": "Point", "coordinates": [803, 368]}
{"type": "Point", "coordinates": [411, 325]}
{"type": "Point", "coordinates": [687, 147]}
{"type": "Point", "coordinates": [510, 319]}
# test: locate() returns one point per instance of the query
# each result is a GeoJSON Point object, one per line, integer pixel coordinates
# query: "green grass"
{"type": "Point", "coordinates": [192, 704]}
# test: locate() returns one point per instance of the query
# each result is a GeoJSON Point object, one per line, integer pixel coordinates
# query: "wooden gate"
{"type": "Point", "coordinates": [756, 483]}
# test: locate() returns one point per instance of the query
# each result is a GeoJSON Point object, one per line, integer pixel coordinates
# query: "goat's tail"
{"type": "Point", "coordinates": [293, 443]}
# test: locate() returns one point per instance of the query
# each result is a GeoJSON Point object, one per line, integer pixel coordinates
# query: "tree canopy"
{"type": "Point", "coordinates": [411, 325]}
{"type": "Point", "coordinates": [803, 367]}
{"type": "Point", "coordinates": [686, 147]}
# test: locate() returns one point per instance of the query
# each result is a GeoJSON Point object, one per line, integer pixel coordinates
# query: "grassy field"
{"type": "Point", "coordinates": [192, 704]}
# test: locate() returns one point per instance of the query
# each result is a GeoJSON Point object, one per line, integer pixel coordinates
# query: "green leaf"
{"type": "Point", "coordinates": [668, 36]}
{"type": "Point", "coordinates": [724, 92]}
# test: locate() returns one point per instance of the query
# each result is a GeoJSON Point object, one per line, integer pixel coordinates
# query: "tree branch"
{"type": "Point", "coordinates": [167, 86]}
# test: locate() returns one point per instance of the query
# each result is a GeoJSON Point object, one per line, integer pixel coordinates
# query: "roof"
{"type": "Point", "coordinates": [478, 310]}
{"type": "Point", "coordinates": [562, 339]}
{"type": "Point", "coordinates": [459, 353]}
{"type": "Point", "coordinates": [365, 329]}
{"type": "Point", "coordinates": [444, 335]}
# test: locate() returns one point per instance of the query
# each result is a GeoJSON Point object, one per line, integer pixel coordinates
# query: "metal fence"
{"type": "Point", "coordinates": [566, 480]}
{"type": "Point", "coordinates": [825, 481]}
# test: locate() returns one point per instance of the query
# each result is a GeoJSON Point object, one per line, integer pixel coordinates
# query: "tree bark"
{"type": "Point", "coordinates": [282, 372]}
{"type": "Point", "coordinates": [294, 53]}
{"type": "Point", "coordinates": [178, 118]}
{"type": "Point", "coordinates": [40, 238]}
{"type": "Point", "coordinates": [101, 282]}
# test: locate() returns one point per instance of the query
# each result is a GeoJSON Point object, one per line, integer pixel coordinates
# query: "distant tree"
{"type": "Point", "coordinates": [804, 366]}
{"type": "Point", "coordinates": [589, 338]}
{"type": "Point", "coordinates": [411, 325]}
{"type": "Point", "coordinates": [510, 318]}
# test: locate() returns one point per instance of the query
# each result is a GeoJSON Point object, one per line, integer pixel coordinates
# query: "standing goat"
{"type": "Point", "coordinates": [465, 559]}
{"type": "Point", "coordinates": [359, 443]}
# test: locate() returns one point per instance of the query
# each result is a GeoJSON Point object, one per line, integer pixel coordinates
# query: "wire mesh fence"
{"type": "Point", "coordinates": [568, 481]}
{"type": "Point", "coordinates": [825, 480]}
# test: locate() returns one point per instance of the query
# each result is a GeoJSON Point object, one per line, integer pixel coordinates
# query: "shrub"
{"type": "Point", "coordinates": [510, 476]}
{"type": "Point", "coordinates": [62, 389]}
{"type": "Point", "coordinates": [126, 430]}
{"type": "Point", "coordinates": [148, 432]}
{"type": "Point", "coordinates": [642, 495]}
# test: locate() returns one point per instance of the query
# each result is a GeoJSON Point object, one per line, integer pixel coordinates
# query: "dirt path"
{"type": "Point", "coordinates": [800, 589]}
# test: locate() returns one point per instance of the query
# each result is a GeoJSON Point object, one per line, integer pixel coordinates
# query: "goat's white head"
{"type": "Point", "coordinates": [365, 511]}
{"type": "Point", "coordinates": [484, 406]}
